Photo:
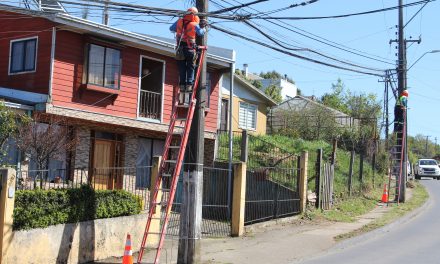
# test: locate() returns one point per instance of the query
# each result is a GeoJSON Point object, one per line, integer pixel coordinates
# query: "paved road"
{"type": "Point", "coordinates": [416, 241]}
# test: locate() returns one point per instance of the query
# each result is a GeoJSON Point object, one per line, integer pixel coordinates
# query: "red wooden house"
{"type": "Point", "coordinates": [115, 86]}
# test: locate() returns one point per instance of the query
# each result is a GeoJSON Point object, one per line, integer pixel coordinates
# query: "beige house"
{"type": "Point", "coordinates": [249, 105]}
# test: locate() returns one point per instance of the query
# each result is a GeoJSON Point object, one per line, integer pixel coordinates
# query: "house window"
{"type": "Point", "coordinates": [104, 66]}
{"type": "Point", "coordinates": [247, 116]}
{"type": "Point", "coordinates": [23, 55]}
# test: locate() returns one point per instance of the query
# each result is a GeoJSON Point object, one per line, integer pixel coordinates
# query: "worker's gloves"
{"type": "Point", "coordinates": [203, 23]}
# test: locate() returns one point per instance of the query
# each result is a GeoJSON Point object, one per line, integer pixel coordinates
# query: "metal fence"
{"type": "Point", "coordinates": [135, 180]}
{"type": "Point", "coordinates": [216, 209]}
{"type": "Point", "coordinates": [223, 145]}
{"type": "Point", "coordinates": [271, 193]}
{"type": "Point", "coordinates": [259, 152]}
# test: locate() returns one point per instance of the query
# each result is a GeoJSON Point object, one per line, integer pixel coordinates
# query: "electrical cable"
{"type": "Point", "coordinates": [337, 16]}
{"type": "Point", "coordinates": [309, 50]}
{"type": "Point", "coordinates": [322, 40]}
{"type": "Point", "coordinates": [293, 54]}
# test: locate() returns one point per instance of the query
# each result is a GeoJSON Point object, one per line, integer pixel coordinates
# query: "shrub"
{"type": "Point", "coordinates": [42, 208]}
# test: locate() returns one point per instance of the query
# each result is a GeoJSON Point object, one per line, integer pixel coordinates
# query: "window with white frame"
{"type": "Point", "coordinates": [247, 116]}
{"type": "Point", "coordinates": [104, 66]}
{"type": "Point", "coordinates": [23, 55]}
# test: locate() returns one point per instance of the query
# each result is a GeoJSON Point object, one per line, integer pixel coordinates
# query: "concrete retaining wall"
{"type": "Point", "coordinates": [75, 243]}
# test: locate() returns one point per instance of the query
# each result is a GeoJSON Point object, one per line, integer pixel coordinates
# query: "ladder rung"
{"type": "Point", "coordinates": [166, 175]}
{"type": "Point", "coordinates": [181, 119]}
{"type": "Point", "coordinates": [174, 147]}
{"type": "Point", "coordinates": [163, 203]}
{"type": "Point", "coordinates": [177, 133]}
{"type": "Point", "coordinates": [171, 161]}
{"type": "Point", "coordinates": [183, 105]}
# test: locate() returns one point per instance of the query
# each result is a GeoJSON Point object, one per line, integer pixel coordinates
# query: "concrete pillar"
{"type": "Point", "coordinates": [7, 180]}
{"type": "Point", "coordinates": [153, 239]}
{"type": "Point", "coordinates": [303, 181]}
{"type": "Point", "coordinates": [238, 199]}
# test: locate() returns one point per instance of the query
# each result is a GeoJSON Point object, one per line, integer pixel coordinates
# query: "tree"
{"type": "Point", "coordinates": [9, 122]}
{"type": "Point", "coordinates": [44, 138]}
{"type": "Point", "coordinates": [257, 84]}
{"type": "Point", "coordinates": [274, 75]}
{"type": "Point", "coordinates": [274, 92]}
{"type": "Point", "coordinates": [337, 98]}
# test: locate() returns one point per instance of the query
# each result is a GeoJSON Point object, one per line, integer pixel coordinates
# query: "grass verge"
{"type": "Point", "coordinates": [420, 195]}
{"type": "Point", "coordinates": [346, 210]}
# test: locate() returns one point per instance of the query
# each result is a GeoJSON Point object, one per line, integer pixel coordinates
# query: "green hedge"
{"type": "Point", "coordinates": [42, 208]}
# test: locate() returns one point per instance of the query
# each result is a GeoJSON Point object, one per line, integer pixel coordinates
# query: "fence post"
{"type": "Point", "coordinates": [155, 221]}
{"type": "Point", "coordinates": [361, 169]}
{"type": "Point", "coordinates": [238, 199]}
{"type": "Point", "coordinates": [373, 167]}
{"type": "Point", "coordinates": [350, 173]}
{"type": "Point", "coordinates": [7, 180]}
{"type": "Point", "coordinates": [335, 147]}
{"type": "Point", "coordinates": [244, 146]}
{"type": "Point", "coordinates": [303, 181]}
{"type": "Point", "coordinates": [318, 178]}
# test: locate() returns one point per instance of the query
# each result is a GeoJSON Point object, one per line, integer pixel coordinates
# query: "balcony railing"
{"type": "Point", "coordinates": [150, 105]}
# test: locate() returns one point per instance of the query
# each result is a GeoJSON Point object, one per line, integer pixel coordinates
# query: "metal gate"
{"type": "Point", "coordinates": [216, 209]}
{"type": "Point", "coordinates": [271, 193]}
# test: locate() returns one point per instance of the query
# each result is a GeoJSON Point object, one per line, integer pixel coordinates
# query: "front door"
{"type": "Point", "coordinates": [224, 115]}
{"type": "Point", "coordinates": [103, 162]}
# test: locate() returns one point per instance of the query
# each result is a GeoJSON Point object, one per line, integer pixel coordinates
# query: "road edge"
{"type": "Point", "coordinates": [362, 238]}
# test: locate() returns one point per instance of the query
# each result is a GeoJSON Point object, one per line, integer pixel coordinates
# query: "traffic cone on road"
{"type": "Point", "coordinates": [385, 194]}
{"type": "Point", "coordinates": [128, 258]}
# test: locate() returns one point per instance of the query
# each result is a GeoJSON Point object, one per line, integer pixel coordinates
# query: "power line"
{"type": "Point", "coordinates": [251, 16]}
{"type": "Point", "coordinates": [309, 50]}
{"type": "Point", "coordinates": [322, 40]}
{"type": "Point", "coordinates": [293, 54]}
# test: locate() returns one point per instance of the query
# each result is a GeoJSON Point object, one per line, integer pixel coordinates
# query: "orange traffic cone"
{"type": "Point", "coordinates": [128, 258]}
{"type": "Point", "coordinates": [385, 194]}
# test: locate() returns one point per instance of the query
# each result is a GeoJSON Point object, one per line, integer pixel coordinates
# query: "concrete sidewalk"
{"type": "Point", "coordinates": [284, 243]}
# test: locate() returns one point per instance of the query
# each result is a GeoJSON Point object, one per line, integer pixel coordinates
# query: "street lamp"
{"type": "Point", "coordinates": [432, 51]}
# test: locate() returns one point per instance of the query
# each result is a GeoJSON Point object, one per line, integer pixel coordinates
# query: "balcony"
{"type": "Point", "coordinates": [150, 105]}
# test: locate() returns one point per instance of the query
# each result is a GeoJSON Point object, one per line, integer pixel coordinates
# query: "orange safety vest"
{"type": "Point", "coordinates": [186, 29]}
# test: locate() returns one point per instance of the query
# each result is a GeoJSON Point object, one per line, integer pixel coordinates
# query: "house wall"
{"type": "Point", "coordinates": [67, 83]}
{"type": "Point", "coordinates": [261, 116]}
{"type": "Point", "coordinates": [16, 26]}
{"type": "Point", "coordinates": [69, 92]}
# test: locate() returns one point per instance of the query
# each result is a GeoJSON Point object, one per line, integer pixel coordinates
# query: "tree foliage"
{"type": "Point", "coordinates": [274, 92]}
{"type": "Point", "coordinates": [275, 75]}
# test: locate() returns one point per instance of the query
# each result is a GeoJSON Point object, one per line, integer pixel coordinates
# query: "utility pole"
{"type": "Point", "coordinates": [191, 209]}
{"type": "Point", "coordinates": [426, 147]}
{"type": "Point", "coordinates": [436, 146]}
{"type": "Point", "coordinates": [402, 85]}
{"type": "Point", "coordinates": [105, 16]}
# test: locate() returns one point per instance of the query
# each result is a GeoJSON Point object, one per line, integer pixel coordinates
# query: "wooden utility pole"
{"type": "Point", "coordinates": [191, 211]}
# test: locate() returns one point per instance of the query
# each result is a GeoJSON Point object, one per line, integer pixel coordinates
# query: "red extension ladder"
{"type": "Point", "coordinates": [171, 164]}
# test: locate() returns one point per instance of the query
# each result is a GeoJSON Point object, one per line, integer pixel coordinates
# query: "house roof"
{"type": "Point", "coordinates": [217, 57]}
{"type": "Point", "coordinates": [255, 90]}
{"type": "Point", "coordinates": [308, 101]}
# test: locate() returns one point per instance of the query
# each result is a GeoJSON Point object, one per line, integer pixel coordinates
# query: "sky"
{"type": "Point", "coordinates": [366, 34]}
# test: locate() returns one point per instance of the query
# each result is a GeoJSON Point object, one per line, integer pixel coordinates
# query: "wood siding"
{"type": "Point", "coordinates": [16, 26]}
{"type": "Point", "coordinates": [67, 84]}
{"type": "Point", "coordinates": [68, 88]}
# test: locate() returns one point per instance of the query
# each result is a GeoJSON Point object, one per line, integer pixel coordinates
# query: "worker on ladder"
{"type": "Point", "coordinates": [399, 110]}
{"type": "Point", "coordinates": [186, 29]}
